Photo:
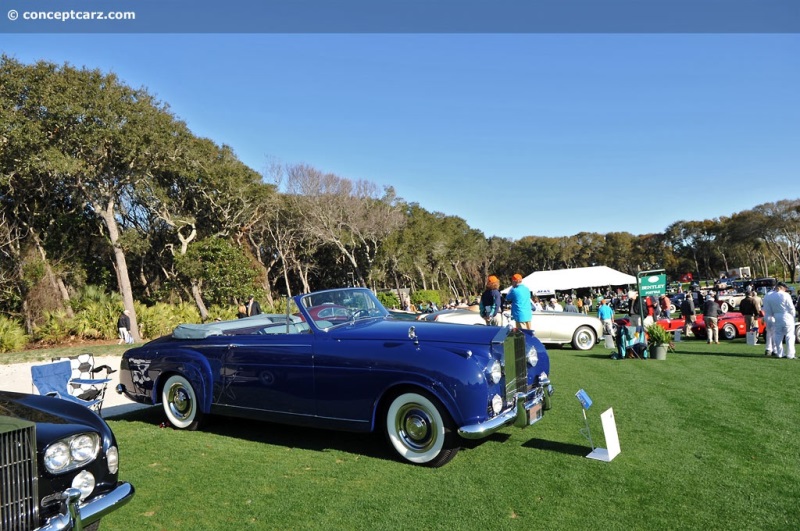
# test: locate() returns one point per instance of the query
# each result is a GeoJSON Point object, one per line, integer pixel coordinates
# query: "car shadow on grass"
{"type": "Point", "coordinates": [372, 445]}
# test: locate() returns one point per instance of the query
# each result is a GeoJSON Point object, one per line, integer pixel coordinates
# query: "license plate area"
{"type": "Point", "coordinates": [535, 413]}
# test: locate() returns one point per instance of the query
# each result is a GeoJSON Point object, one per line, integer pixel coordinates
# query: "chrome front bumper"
{"type": "Point", "coordinates": [76, 515]}
{"type": "Point", "coordinates": [537, 401]}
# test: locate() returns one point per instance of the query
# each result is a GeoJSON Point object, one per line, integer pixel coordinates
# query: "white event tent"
{"type": "Point", "coordinates": [548, 282]}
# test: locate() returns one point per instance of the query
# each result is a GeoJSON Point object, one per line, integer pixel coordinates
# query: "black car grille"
{"type": "Point", "coordinates": [516, 368]}
{"type": "Point", "coordinates": [18, 477]}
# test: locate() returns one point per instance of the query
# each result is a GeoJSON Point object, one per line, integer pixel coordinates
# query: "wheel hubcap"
{"type": "Point", "coordinates": [415, 428]}
{"type": "Point", "coordinates": [180, 402]}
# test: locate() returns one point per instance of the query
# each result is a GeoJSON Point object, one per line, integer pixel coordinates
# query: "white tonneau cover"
{"type": "Point", "coordinates": [220, 328]}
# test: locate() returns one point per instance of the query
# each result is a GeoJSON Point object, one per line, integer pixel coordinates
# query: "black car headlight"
{"type": "Point", "coordinates": [71, 452]}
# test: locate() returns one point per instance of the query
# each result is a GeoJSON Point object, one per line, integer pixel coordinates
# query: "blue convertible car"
{"type": "Point", "coordinates": [335, 359]}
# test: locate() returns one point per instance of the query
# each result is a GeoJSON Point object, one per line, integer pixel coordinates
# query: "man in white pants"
{"type": "Point", "coordinates": [778, 308]}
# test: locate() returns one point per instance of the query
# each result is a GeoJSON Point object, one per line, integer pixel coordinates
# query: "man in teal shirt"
{"type": "Point", "coordinates": [606, 316]}
{"type": "Point", "coordinates": [520, 298]}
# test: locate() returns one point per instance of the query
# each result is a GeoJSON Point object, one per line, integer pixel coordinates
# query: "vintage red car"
{"type": "Point", "coordinates": [731, 326]}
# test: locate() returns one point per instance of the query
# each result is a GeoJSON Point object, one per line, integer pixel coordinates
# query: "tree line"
{"type": "Point", "coordinates": [101, 185]}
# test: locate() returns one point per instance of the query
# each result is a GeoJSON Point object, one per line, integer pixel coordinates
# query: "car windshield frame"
{"type": "Point", "coordinates": [332, 308]}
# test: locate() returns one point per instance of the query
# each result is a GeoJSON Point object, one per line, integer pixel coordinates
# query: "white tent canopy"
{"type": "Point", "coordinates": [579, 277]}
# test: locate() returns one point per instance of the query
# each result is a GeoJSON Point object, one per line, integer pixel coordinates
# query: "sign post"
{"type": "Point", "coordinates": [652, 283]}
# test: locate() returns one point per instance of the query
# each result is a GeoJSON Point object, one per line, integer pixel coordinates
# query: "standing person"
{"type": "Point", "coordinates": [554, 306]}
{"type": "Point", "coordinates": [687, 312]}
{"type": "Point", "coordinates": [666, 306]}
{"type": "Point", "coordinates": [711, 313]}
{"type": "Point", "coordinates": [750, 307]}
{"type": "Point", "coordinates": [124, 327]}
{"type": "Point", "coordinates": [520, 298]}
{"type": "Point", "coordinates": [570, 307]}
{"type": "Point", "coordinates": [769, 324]}
{"type": "Point", "coordinates": [491, 305]}
{"type": "Point", "coordinates": [587, 305]}
{"type": "Point", "coordinates": [253, 307]}
{"type": "Point", "coordinates": [537, 305]}
{"type": "Point", "coordinates": [778, 305]}
{"type": "Point", "coordinates": [606, 316]}
{"type": "Point", "coordinates": [636, 309]}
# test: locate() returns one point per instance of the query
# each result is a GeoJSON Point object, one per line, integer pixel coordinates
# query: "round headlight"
{"type": "Point", "coordinates": [56, 457]}
{"type": "Point", "coordinates": [84, 482]}
{"type": "Point", "coordinates": [84, 448]}
{"type": "Point", "coordinates": [113, 459]}
{"type": "Point", "coordinates": [496, 372]}
{"type": "Point", "coordinates": [533, 357]}
{"type": "Point", "coordinates": [497, 404]}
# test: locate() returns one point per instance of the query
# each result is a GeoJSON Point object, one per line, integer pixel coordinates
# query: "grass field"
{"type": "Point", "coordinates": [708, 437]}
{"type": "Point", "coordinates": [709, 440]}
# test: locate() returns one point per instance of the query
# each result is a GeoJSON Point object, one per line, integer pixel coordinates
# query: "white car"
{"type": "Point", "coordinates": [579, 330]}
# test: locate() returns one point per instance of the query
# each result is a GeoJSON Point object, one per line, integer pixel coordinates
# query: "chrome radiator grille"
{"type": "Point", "coordinates": [18, 478]}
{"type": "Point", "coordinates": [515, 365]}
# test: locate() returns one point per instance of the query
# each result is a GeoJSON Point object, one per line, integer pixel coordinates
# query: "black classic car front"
{"type": "Point", "coordinates": [59, 465]}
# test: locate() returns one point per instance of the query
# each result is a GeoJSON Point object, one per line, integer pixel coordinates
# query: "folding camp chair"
{"type": "Point", "coordinates": [630, 343]}
{"type": "Point", "coordinates": [84, 371]}
{"type": "Point", "coordinates": [55, 379]}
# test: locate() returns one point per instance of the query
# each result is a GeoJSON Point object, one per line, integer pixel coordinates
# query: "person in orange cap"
{"type": "Point", "coordinates": [520, 298]}
{"type": "Point", "coordinates": [491, 303]}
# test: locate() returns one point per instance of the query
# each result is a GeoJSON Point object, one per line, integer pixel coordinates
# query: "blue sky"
{"type": "Point", "coordinates": [530, 134]}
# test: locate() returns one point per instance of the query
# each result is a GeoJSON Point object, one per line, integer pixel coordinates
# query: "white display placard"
{"type": "Point", "coordinates": [612, 439]}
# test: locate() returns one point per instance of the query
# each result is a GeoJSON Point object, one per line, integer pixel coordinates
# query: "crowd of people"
{"type": "Point", "coordinates": [777, 310]}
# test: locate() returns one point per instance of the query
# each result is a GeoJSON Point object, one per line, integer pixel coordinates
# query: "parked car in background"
{"type": "Point", "coordinates": [731, 325]}
{"type": "Point", "coordinates": [677, 299]}
{"type": "Point", "coordinates": [426, 386]}
{"type": "Point", "coordinates": [403, 315]}
{"type": "Point", "coordinates": [455, 316]}
{"type": "Point", "coordinates": [59, 465]}
{"type": "Point", "coordinates": [669, 325]}
{"type": "Point", "coordinates": [730, 300]}
{"type": "Point", "coordinates": [555, 328]}
{"type": "Point", "coordinates": [765, 282]}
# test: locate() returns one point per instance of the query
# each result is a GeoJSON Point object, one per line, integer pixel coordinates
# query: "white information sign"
{"type": "Point", "coordinates": [612, 439]}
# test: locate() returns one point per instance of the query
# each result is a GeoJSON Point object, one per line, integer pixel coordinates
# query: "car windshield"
{"type": "Point", "coordinates": [339, 306]}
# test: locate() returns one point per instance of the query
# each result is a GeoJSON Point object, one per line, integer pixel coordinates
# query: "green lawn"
{"type": "Point", "coordinates": [709, 440]}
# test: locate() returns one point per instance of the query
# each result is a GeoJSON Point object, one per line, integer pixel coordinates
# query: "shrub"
{"type": "Point", "coordinates": [389, 299]}
{"type": "Point", "coordinates": [57, 328]}
{"type": "Point", "coordinates": [12, 335]}
{"type": "Point", "coordinates": [161, 319]}
{"type": "Point", "coordinates": [97, 319]}
{"type": "Point", "coordinates": [656, 335]}
{"type": "Point", "coordinates": [424, 295]}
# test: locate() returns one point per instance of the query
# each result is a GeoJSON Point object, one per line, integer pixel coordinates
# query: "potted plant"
{"type": "Point", "coordinates": [658, 341]}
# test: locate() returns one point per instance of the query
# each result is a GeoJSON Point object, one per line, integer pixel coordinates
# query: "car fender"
{"type": "Point", "coordinates": [427, 385]}
{"type": "Point", "coordinates": [448, 374]}
{"type": "Point", "coordinates": [190, 364]}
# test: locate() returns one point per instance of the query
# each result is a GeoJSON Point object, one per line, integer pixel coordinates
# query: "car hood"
{"type": "Point", "coordinates": [393, 330]}
{"type": "Point", "coordinates": [54, 418]}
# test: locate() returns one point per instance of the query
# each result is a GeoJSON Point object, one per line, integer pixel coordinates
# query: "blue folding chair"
{"type": "Point", "coordinates": [55, 379]}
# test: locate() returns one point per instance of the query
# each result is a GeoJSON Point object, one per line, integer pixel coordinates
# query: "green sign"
{"type": "Point", "coordinates": [652, 283]}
